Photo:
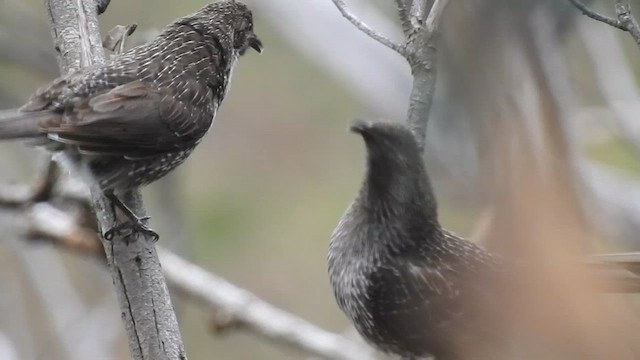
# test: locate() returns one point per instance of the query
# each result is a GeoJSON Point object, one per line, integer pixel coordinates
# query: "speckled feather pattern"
{"type": "Point", "coordinates": [140, 115]}
{"type": "Point", "coordinates": [402, 279]}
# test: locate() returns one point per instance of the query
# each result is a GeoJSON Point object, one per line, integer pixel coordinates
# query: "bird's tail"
{"type": "Point", "coordinates": [621, 270]}
{"type": "Point", "coordinates": [16, 124]}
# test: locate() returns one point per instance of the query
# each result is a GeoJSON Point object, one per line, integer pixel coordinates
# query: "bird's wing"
{"type": "Point", "coordinates": [417, 304]}
{"type": "Point", "coordinates": [134, 120]}
{"type": "Point", "coordinates": [437, 302]}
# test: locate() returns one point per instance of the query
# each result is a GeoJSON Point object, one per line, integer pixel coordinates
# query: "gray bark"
{"type": "Point", "coordinates": [147, 312]}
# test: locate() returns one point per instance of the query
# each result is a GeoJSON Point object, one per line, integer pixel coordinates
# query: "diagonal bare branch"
{"type": "Point", "coordinates": [420, 51]}
{"type": "Point", "coordinates": [625, 20]}
{"type": "Point", "coordinates": [244, 310]}
{"type": "Point", "coordinates": [239, 308]}
{"type": "Point", "coordinates": [342, 7]}
{"type": "Point", "coordinates": [594, 15]}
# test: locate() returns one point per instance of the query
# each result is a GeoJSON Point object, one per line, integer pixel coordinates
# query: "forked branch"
{"type": "Point", "coordinates": [420, 25]}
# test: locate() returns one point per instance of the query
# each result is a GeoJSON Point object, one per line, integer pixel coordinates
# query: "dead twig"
{"type": "Point", "coordinates": [41, 190]}
{"type": "Point", "coordinates": [342, 7]}
{"type": "Point", "coordinates": [624, 19]}
{"type": "Point", "coordinates": [420, 28]}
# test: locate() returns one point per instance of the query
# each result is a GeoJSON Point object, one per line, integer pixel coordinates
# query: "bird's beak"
{"type": "Point", "coordinates": [255, 43]}
{"type": "Point", "coordinates": [359, 126]}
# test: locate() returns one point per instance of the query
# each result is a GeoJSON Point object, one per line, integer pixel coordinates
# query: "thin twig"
{"type": "Point", "coordinates": [594, 15]}
{"type": "Point", "coordinates": [41, 190]}
{"type": "Point", "coordinates": [420, 51]}
{"type": "Point", "coordinates": [342, 7]}
{"type": "Point", "coordinates": [50, 223]}
{"type": "Point", "coordinates": [47, 180]}
{"type": "Point", "coordinates": [623, 11]}
{"type": "Point", "coordinates": [625, 20]}
{"type": "Point", "coordinates": [116, 38]}
{"type": "Point", "coordinates": [433, 20]}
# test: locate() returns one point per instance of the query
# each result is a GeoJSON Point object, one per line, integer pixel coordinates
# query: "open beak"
{"type": "Point", "coordinates": [255, 43]}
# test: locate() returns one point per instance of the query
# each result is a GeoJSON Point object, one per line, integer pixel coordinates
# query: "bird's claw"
{"type": "Point", "coordinates": [131, 227]}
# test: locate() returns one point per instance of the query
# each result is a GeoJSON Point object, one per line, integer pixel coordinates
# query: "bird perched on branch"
{"type": "Point", "coordinates": [137, 117]}
{"type": "Point", "coordinates": [409, 286]}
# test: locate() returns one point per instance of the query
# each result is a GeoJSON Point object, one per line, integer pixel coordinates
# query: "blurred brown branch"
{"type": "Point", "coordinates": [40, 190]}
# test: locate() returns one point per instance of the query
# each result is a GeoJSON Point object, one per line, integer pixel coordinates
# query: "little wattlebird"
{"type": "Point", "coordinates": [411, 287]}
{"type": "Point", "coordinates": [140, 115]}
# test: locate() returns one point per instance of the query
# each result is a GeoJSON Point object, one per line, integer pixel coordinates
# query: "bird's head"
{"type": "Point", "coordinates": [395, 169]}
{"type": "Point", "coordinates": [230, 18]}
{"type": "Point", "coordinates": [390, 143]}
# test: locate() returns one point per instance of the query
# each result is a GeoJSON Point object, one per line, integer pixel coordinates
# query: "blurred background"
{"type": "Point", "coordinates": [533, 146]}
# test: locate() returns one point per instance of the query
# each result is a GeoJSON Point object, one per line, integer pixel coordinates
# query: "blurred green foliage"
{"type": "Point", "coordinates": [617, 153]}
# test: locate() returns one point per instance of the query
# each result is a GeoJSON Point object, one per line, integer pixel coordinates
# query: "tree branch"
{"type": "Point", "coordinates": [116, 39]}
{"type": "Point", "coordinates": [421, 46]}
{"type": "Point", "coordinates": [594, 15]}
{"type": "Point", "coordinates": [242, 309]}
{"type": "Point", "coordinates": [433, 20]}
{"type": "Point", "coordinates": [41, 190]}
{"type": "Point", "coordinates": [625, 20]}
{"type": "Point", "coordinates": [420, 51]}
{"type": "Point", "coordinates": [147, 312]}
{"type": "Point", "coordinates": [623, 11]}
{"type": "Point", "coordinates": [416, 13]}
{"type": "Point", "coordinates": [74, 27]}
{"type": "Point", "coordinates": [342, 7]}
{"type": "Point", "coordinates": [233, 307]}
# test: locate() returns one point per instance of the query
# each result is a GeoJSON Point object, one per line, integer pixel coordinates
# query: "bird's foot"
{"type": "Point", "coordinates": [135, 224]}
{"type": "Point", "coordinates": [130, 227]}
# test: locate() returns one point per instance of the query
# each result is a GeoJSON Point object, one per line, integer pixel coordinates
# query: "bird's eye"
{"type": "Point", "coordinates": [246, 24]}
